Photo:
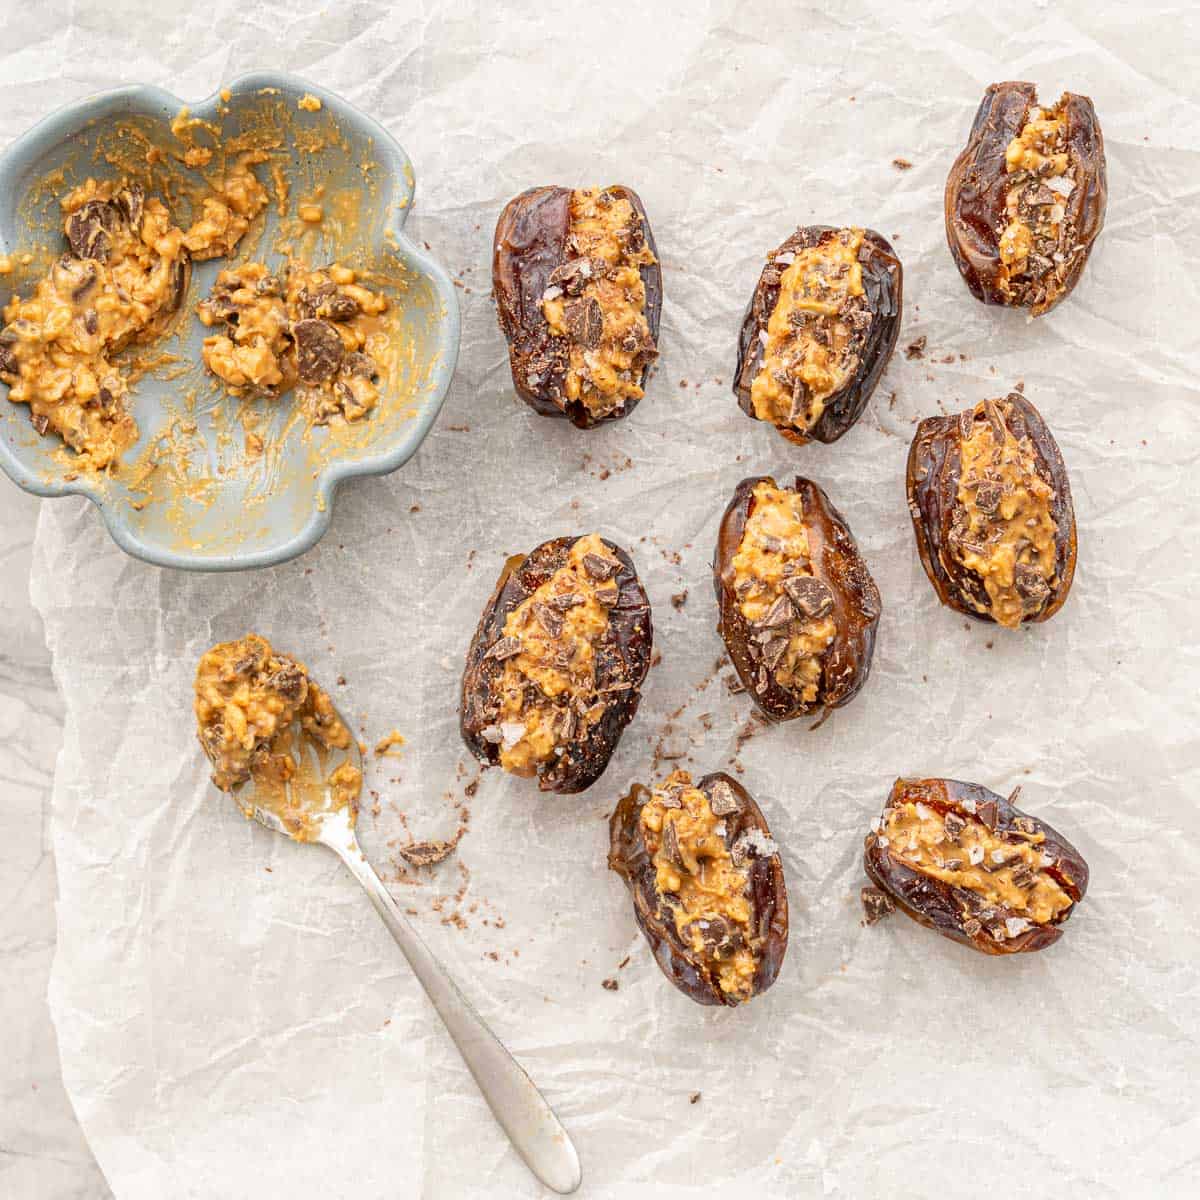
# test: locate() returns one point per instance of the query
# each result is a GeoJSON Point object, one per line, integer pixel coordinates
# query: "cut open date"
{"type": "Point", "coordinates": [555, 669]}
{"type": "Point", "coordinates": [963, 861]}
{"type": "Point", "coordinates": [707, 884]}
{"type": "Point", "coordinates": [820, 328]}
{"type": "Point", "coordinates": [578, 291]}
{"type": "Point", "coordinates": [798, 607]}
{"type": "Point", "coordinates": [991, 509]}
{"type": "Point", "coordinates": [1025, 199]}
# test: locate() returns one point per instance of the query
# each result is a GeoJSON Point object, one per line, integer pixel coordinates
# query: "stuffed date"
{"type": "Point", "coordinates": [578, 291]}
{"type": "Point", "coordinates": [798, 607]}
{"type": "Point", "coordinates": [820, 328]}
{"type": "Point", "coordinates": [991, 509]}
{"type": "Point", "coordinates": [964, 862]}
{"type": "Point", "coordinates": [555, 670]}
{"type": "Point", "coordinates": [707, 885]}
{"type": "Point", "coordinates": [1025, 199]}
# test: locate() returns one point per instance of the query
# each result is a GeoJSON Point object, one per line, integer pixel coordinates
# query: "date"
{"type": "Point", "coordinates": [1025, 199]}
{"type": "Point", "coordinates": [820, 328]}
{"type": "Point", "coordinates": [555, 669]}
{"type": "Point", "coordinates": [991, 509]}
{"type": "Point", "coordinates": [707, 885]}
{"type": "Point", "coordinates": [798, 607]}
{"type": "Point", "coordinates": [578, 291]}
{"type": "Point", "coordinates": [965, 862]}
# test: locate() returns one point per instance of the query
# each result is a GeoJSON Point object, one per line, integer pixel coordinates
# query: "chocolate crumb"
{"type": "Point", "coordinates": [679, 599]}
{"type": "Point", "coordinates": [694, 1098]}
{"type": "Point", "coordinates": [901, 164]}
{"type": "Point", "coordinates": [915, 349]}
{"type": "Point", "coordinates": [609, 985]}
{"type": "Point", "coordinates": [876, 905]}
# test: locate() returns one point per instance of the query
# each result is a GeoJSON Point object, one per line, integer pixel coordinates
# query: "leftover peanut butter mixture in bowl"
{"type": "Point", "coordinates": [210, 316]}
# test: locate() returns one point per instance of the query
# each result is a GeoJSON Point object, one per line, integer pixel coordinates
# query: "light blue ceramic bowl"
{"type": "Point", "coordinates": [213, 508]}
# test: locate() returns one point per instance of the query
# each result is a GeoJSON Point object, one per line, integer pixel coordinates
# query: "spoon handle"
{"type": "Point", "coordinates": [534, 1130]}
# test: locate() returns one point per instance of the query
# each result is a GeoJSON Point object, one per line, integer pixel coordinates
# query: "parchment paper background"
{"type": "Point", "coordinates": [234, 1020]}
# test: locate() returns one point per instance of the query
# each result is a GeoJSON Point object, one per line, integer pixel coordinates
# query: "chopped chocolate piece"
{"type": "Point", "coordinates": [506, 647]}
{"type": "Point", "coordinates": [780, 613]}
{"type": "Point", "coordinates": [549, 619]}
{"type": "Point", "coordinates": [810, 597]}
{"type": "Point", "coordinates": [340, 307]}
{"type": "Point", "coordinates": [1030, 584]}
{"type": "Point", "coordinates": [289, 681]}
{"type": "Point", "coordinates": [987, 812]}
{"type": "Point", "coordinates": [585, 321]}
{"type": "Point", "coordinates": [565, 600]}
{"type": "Point", "coordinates": [670, 844]}
{"type": "Point", "coordinates": [609, 985]}
{"type": "Point", "coordinates": [599, 567]}
{"type": "Point", "coordinates": [360, 364]}
{"type": "Point", "coordinates": [987, 497]}
{"type": "Point", "coordinates": [90, 229]}
{"type": "Point", "coordinates": [131, 201]}
{"type": "Point", "coordinates": [319, 350]}
{"type": "Point", "coordinates": [876, 904]}
{"type": "Point", "coordinates": [723, 800]}
{"type": "Point", "coordinates": [426, 854]}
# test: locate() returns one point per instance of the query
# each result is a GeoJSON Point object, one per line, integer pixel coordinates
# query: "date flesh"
{"type": "Point", "coordinates": [707, 885]}
{"type": "Point", "coordinates": [798, 607]}
{"type": "Point", "coordinates": [542, 266]}
{"type": "Point", "coordinates": [991, 509]}
{"type": "Point", "coordinates": [818, 332]}
{"type": "Point", "coordinates": [965, 862]}
{"type": "Point", "coordinates": [1025, 199]}
{"type": "Point", "coordinates": [555, 669]}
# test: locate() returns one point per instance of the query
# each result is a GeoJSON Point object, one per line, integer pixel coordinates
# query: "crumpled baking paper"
{"type": "Point", "coordinates": [234, 1021]}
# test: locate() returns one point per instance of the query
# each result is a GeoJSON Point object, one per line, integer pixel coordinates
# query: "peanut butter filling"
{"type": "Point", "coordinates": [1036, 244]}
{"type": "Point", "coordinates": [547, 691]}
{"type": "Point", "coordinates": [296, 328]}
{"type": "Point", "coordinates": [597, 302]}
{"type": "Point", "coordinates": [789, 610]}
{"type": "Point", "coordinates": [120, 283]}
{"type": "Point", "coordinates": [698, 880]}
{"type": "Point", "coordinates": [1006, 871]}
{"type": "Point", "coordinates": [811, 341]}
{"type": "Point", "coordinates": [260, 718]}
{"type": "Point", "coordinates": [1003, 528]}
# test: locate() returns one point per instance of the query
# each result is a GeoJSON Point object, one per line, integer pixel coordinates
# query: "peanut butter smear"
{"type": "Point", "coordinates": [790, 612]}
{"type": "Point", "coordinates": [547, 691]}
{"type": "Point", "coordinates": [300, 329]}
{"type": "Point", "coordinates": [261, 719]}
{"type": "Point", "coordinates": [1003, 528]}
{"type": "Point", "coordinates": [809, 354]}
{"type": "Point", "coordinates": [697, 879]}
{"type": "Point", "coordinates": [1036, 244]}
{"type": "Point", "coordinates": [597, 301]}
{"type": "Point", "coordinates": [1006, 871]}
{"type": "Point", "coordinates": [121, 281]}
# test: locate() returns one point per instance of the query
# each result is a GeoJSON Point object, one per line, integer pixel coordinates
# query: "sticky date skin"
{"type": "Point", "coordinates": [977, 185]}
{"type": "Point", "coordinates": [934, 466]}
{"type": "Point", "coordinates": [931, 902]}
{"type": "Point", "coordinates": [836, 561]}
{"type": "Point", "coordinates": [530, 242]}
{"type": "Point", "coordinates": [691, 974]}
{"type": "Point", "coordinates": [622, 658]}
{"type": "Point", "coordinates": [883, 283]}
